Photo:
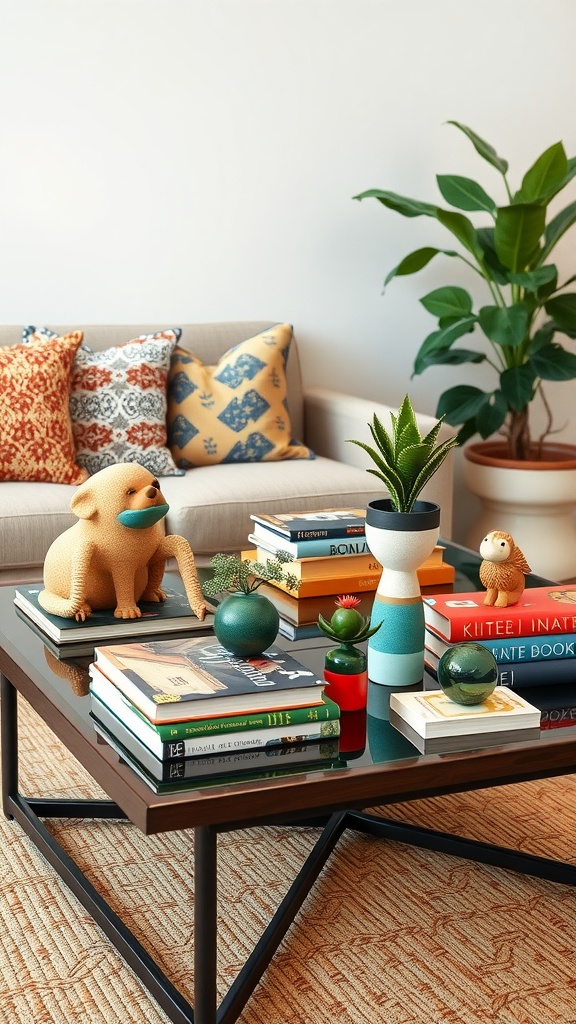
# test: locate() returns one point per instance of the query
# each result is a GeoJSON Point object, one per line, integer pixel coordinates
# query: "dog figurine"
{"type": "Point", "coordinates": [115, 555]}
{"type": "Point", "coordinates": [502, 569]}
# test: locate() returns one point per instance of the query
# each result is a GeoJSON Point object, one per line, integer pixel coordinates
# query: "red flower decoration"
{"type": "Point", "coordinates": [347, 601]}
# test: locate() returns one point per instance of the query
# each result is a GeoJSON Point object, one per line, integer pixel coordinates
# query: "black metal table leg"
{"type": "Point", "coordinates": [205, 924]}
{"type": "Point", "coordinates": [9, 736]}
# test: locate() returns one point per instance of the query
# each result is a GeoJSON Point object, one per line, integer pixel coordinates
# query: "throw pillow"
{"type": "Point", "coordinates": [36, 440]}
{"type": "Point", "coordinates": [236, 411]}
{"type": "Point", "coordinates": [118, 402]}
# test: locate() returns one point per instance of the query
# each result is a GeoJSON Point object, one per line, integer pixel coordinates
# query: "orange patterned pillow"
{"type": "Point", "coordinates": [36, 441]}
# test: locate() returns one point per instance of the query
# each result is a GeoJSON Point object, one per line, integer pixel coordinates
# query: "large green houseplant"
{"type": "Point", "coordinates": [526, 307]}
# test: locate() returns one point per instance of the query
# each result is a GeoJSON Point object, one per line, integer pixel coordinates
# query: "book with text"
{"type": "Point", "coordinates": [321, 547]}
{"type": "Point", "coordinates": [328, 585]}
{"type": "Point", "coordinates": [514, 649]}
{"type": "Point", "coordinates": [541, 611]}
{"type": "Point", "coordinates": [327, 522]}
{"type": "Point", "coordinates": [452, 744]}
{"type": "Point", "coordinates": [304, 611]}
{"type": "Point", "coordinates": [171, 680]}
{"type": "Point", "coordinates": [431, 713]}
{"type": "Point", "coordinates": [312, 723]}
{"type": "Point", "coordinates": [319, 568]}
{"type": "Point", "coordinates": [170, 616]}
{"type": "Point", "coordinates": [225, 768]}
{"type": "Point", "coordinates": [518, 674]}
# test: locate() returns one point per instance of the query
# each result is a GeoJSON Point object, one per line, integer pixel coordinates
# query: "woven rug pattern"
{"type": "Point", "coordinates": [389, 935]}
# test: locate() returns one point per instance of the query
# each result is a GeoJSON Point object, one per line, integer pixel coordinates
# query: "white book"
{"type": "Point", "coordinates": [431, 713]}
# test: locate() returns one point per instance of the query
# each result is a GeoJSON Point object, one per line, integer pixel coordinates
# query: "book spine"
{"type": "Point", "coordinates": [323, 548]}
{"type": "Point", "coordinates": [328, 711]}
{"type": "Point", "coordinates": [249, 740]}
{"type": "Point", "coordinates": [515, 649]}
{"type": "Point", "coordinates": [319, 568]}
{"type": "Point", "coordinates": [535, 673]}
{"type": "Point", "coordinates": [465, 617]}
{"type": "Point", "coordinates": [333, 585]}
{"type": "Point", "coordinates": [315, 530]}
{"type": "Point", "coordinates": [557, 718]}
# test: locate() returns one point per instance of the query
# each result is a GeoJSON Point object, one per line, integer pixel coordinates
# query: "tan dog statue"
{"type": "Point", "coordinates": [115, 555]}
{"type": "Point", "coordinates": [502, 569]}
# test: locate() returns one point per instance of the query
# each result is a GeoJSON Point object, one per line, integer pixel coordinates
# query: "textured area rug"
{"type": "Point", "coordinates": [389, 935]}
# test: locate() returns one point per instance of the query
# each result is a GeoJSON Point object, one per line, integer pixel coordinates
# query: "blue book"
{"type": "Point", "coordinates": [514, 649]}
{"type": "Point", "coordinates": [319, 548]}
{"type": "Point", "coordinates": [331, 523]}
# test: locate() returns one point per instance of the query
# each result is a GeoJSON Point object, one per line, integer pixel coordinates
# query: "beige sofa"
{"type": "Point", "coordinates": [211, 505]}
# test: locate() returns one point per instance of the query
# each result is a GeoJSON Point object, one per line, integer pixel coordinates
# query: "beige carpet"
{"type": "Point", "coordinates": [390, 934]}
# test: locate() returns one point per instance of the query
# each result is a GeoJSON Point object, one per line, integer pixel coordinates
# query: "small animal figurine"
{"type": "Point", "coordinates": [502, 569]}
{"type": "Point", "coordinates": [115, 555]}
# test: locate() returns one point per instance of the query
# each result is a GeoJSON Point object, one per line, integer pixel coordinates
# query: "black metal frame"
{"type": "Point", "coordinates": [28, 812]}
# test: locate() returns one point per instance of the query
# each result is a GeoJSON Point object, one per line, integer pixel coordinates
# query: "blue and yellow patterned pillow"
{"type": "Point", "coordinates": [235, 411]}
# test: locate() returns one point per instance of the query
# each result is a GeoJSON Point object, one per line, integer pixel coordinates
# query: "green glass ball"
{"type": "Point", "coordinates": [468, 673]}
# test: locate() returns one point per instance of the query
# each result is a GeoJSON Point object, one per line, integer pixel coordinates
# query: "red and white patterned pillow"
{"type": "Point", "coordinates": [118, 402]}
{"type": "Point", "coordinates": [36, 440]}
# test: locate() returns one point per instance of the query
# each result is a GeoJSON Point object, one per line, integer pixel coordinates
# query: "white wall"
{"type": "Point", "coordinates": [176, 160]}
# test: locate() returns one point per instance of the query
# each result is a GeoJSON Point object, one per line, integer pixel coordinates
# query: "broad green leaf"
{"type": "Point", "coordinates": [517, 234]}
{"type": "Point", "coordinates": [517, 385]}
{"type": "Point", "coordinates": [458, 404]}
{"type": "Point", "coordinates": [463, 229]}
{"type": "Point", "coordinates": [556, 228]}
{"type": "Point", "coordinates": [415, 261]}
{"type": "Point", "coordinates": [498, 271]}
{"type": "Point", "coordinates": [533, 280]}
{"type": "Point", "coordinates": [400, 204]}
{"type": "Point", "coordinates": [542, 337]}
{"type": "Point", "coordinates": [449, 301]}
{"type": "Point", "coordinates": [505, 325]}
{"type": "Point", "coordinates": [449, 357]}
{"type": "Point", "coordinates": [467, 430]}
{"type": "Point", "coordinates": [552, 362]}
{"type": "Point", "coordinates": [484, 149]}
{"type": "Point", "coordinates": [492, 414]}
{"type": "Point", "coordinates": [544, 179]}
{"type": "Point", "coordinates": [442, 339]}
{"type": "Point", "coordinates": [464, 193]}
{"type": "Point", "coordinates": [562, 309]}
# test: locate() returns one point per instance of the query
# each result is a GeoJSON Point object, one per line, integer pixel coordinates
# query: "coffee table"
{"type": "Point", "coordinates": [388, 770]}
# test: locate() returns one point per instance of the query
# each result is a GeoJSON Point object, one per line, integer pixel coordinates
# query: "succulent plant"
{"type": "Point", "coordinates": [347, 625]}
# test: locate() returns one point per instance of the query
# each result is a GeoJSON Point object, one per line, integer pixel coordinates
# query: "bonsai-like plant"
{"type": "Point", "coordinates": [347, 625]}
{"type": "Point", "coordinates": [235, 574]}
{"type": "Point", "coordinates": [405, 460]}
{"type": "Point", "coordinates": [527, 307]}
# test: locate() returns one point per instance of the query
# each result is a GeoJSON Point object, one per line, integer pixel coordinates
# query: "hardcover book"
{"type": "Point", "coordinates": [172, 680]}
{"type": "Point", "coordinates": [224, 769]}
{"type": "Point", "coordinates": [328, 585]}
{"type": "Point", "coordinates": [111, 706]}
{"type": "Point", "coordinates": [320, 547]}
{"type": "Point", "coordinates": [451, 744]}
{"type": "Point", "coordinates": [431, 713]}
{"type": "Point", "coordinates": [522, 673]}
{"type": "Point", "coordinates": [171, 616]}
{"type": "Point", "coordinates": [319, 568]}
{"type": "Point", "coordinates": [514, 649]}
{"type": "Point", "coordinates": [304, 611]}
{"type": "Point", "coordinates": [541, 611]}
{"type": "Point", "coordinates": [326, 522]}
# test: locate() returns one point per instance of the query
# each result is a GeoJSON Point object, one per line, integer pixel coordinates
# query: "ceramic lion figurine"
{"type": "Point", "coordinates": [115, 555]}
{"type": "Point", "coordinates": [502, 569]}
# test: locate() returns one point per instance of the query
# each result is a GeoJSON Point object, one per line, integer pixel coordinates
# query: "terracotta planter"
{"type": "Point", "coordinates": [533, 501]}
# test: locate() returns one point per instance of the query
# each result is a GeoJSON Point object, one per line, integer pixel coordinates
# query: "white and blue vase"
{"type": "Point", "coordinates": [400, 541]}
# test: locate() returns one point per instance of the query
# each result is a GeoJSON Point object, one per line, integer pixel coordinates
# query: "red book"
{"type": "Point", "coordinates": [540, 610]}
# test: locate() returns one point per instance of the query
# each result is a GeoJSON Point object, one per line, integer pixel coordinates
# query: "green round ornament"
{"type": "Point", "coordinates": [246, 624]}
{"type": "Point", "coordinates": [468, 673]}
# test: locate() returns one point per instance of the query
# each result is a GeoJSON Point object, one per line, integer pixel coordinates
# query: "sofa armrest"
{"type": "Point", "coordinates": [331, 417]}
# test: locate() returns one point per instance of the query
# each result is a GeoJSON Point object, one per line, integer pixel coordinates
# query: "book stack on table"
{"type": "Point", "coordinates": [180, 712]}
{"type": "Point", "coordinates": [533, 641]}
{"type": "Point", "coordinates": [331, 557]}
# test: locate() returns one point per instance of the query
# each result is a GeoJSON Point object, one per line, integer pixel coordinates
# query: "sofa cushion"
{"type": "Point", "coordinates": [237, 410]}
{"type": "Point", "coordinates": [211, 505]}
{"type": "Point", "coordinates": [118, 402]}
{"type": "Point", "coordinates": [36, 440]}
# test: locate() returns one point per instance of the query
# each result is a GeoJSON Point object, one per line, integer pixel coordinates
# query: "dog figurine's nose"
{"type": "Point", "coordinates": [150, 492]}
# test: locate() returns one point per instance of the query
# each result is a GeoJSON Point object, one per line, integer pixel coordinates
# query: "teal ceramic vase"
{"type": "Point", "coordinates": [246, 624]}
{"type": "Point", "coordinates": [400, 541]}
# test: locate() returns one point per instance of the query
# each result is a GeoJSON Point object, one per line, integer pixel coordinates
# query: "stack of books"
{"type": "Point", "coordinates": [67, 638]}
{"type": "Point", "coordinates": [180, 711]}
{"type": "Point", "coordinates": [435, 724]}
{"type": "Point", "coordinates": [331, 557]}
{"type": "Point", "coordinates": [533, 641]}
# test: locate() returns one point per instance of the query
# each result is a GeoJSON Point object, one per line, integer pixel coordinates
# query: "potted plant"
{"type": "Point", "coordinates": [514, 329]}
{"type": "Point", "coordinates": [401, 531]}
{"type": "Point", "coordinates": [246, 623]}
{"type": "Point", "coordinates": [345, 667]}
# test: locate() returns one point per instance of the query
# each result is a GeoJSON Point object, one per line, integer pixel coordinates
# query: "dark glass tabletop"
{"type": "Point", "coordinates": [370, 762]}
